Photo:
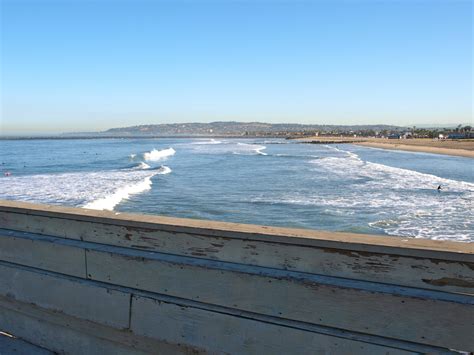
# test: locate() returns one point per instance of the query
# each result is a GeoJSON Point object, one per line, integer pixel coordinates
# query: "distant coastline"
{"type": "Point", "coordinates": [234, 129]}
{"type": "Point", "coordinates": [219, 129]}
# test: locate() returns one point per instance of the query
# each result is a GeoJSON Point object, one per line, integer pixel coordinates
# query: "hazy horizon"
{"type": "Point", "coordinates": [90, 66]}
{"type": "Point", "coordinates": [32, 133]}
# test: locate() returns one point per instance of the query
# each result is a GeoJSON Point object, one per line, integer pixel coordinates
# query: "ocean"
{"type": "Point", "coordinates": [273, 182]}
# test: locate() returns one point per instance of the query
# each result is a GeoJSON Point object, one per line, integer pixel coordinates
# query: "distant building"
{"type": "Point", "coordinates": [394, 136]}
{"type": "Point", "coordinates": [456, 136]}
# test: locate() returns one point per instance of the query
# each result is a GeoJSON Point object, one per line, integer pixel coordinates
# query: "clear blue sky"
{"type": "Point", "coordinates": [90, 65]}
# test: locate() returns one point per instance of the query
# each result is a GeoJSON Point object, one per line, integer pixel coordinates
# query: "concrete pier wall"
{"type": "Point", "coordinates": [87, 282]}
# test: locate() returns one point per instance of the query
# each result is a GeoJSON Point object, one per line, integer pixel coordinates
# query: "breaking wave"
{"type": "Point", "coordinates": [101, 190]}
{"type": "Point", "coordinates": [384, 176]}
{"type": "Point", "coordinates": [164, 170]}
{"type": "Point", "coordinates": [142, 166]}
{"type": "Point", "coordinates": [401, 202]}
{"type": "Point", "coordinates": [212, 141]}
{"type": "Point", "coordinates": [298, 156]}
{"type": "Point", "coordinates": [109, 201]}
{"type": "Point", "coordinates": [420, 210]}
{"type": "Point", "coordinates": [314, 186]}
{"type": "Point", "coordinates": [246, 148]}
{"type": "Point", "coordinates": [156, 155]}
{"type": "Point", "coordinates": [227, 147]}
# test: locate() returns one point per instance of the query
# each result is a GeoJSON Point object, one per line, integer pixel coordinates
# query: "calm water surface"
{"type": "Point", "coordinates": [271, 182]}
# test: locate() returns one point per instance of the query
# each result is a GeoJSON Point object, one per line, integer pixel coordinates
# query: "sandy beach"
{"type": "Point", "coordinates": [461, 147]}
{"type": "Point", "coordinates": [447, 149]}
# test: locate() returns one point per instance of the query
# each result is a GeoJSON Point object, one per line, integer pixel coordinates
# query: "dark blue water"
{"type": "Point", "coordinates": [271, 182]}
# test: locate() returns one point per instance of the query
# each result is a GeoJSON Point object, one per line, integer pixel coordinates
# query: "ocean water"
{"type": "Point", "coordinates": [271, 182]}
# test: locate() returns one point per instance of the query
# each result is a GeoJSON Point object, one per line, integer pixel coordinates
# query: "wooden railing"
{"type": "Point", "coordinates": [87, 282]}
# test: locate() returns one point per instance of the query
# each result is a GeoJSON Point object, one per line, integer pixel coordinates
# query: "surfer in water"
{"type": "Point", "coordinates": [439, 188]}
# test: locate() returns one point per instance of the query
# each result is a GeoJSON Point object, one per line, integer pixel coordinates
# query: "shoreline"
{"type": "Point", "coordinates": [460, 148]}
{"type": "Point", "coordinates": [421, 149]}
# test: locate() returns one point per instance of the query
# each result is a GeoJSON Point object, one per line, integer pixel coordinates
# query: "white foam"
{"type": "Point", "coordinates": [212, 141]}
{"type": "Point", "coordinates": [226, 147]}
{"type": "Point", "coordinates": [96, 190]}
{"type": "Point", "coordinates": [259, 151]}
{"type": "Point", "coordinates": [296, 156]}
{"type": "Point", "coordinates": [142, 166]}
{"type": "Point", "coordinates": [400, 201]}
{"type": "Point", "coordinates": [417, 209]}
{"type": "Point", "coordinates": [156, 155]}
{"type": "Point", "coordinates": [164, 170]}
{"type": "Point", "coordinates": [245, 148]}
{"type": "Point", "coordinates": [334, 148]}
{"type": "Point", "coordinates": [110, 201]}
{"type": "Point", "coordinates": [384, 176]}
{"type": "Point", "coordinates": [275, 142]}
{"type": "Point", "coordinates": [132, 156]}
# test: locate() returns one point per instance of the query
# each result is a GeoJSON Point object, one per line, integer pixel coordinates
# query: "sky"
{"type": "Point", "coordinates": [87, 65]}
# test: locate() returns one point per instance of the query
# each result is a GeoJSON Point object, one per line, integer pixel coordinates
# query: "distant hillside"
{"type": "Point", "coordinates": [236, 129]}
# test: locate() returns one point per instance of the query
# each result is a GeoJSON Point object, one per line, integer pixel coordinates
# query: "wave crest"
{"type": "Point", "coordinates": [155, 155]}
{"type": "Point", "coordinates": [110, 201]}
{"type": "Point", "coordinates": [141, 166]}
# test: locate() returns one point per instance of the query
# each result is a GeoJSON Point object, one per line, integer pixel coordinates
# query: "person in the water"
{"type": "Point", "coordinates": [439, 188]}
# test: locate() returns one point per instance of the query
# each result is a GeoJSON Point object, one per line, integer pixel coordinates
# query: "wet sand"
{"type": "Point", "coordinates": [447, 149]}
{"type": "Point", "coordinates": [461, 147]}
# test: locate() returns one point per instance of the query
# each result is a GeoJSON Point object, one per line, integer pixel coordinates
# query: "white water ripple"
{"type": "Point", "coordinates": [401, 202]}
{"type": "Point", "coordinates": [101, 190]}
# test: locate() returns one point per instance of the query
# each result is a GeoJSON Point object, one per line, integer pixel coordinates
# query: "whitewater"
{"type": "Point", "coordinates": [270, 182]}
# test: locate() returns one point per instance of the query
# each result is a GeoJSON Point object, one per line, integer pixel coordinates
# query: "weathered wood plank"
{"type": "Point", "coordinates": [41, 254]}
{"type": "Point", "coordinates": [39, 224]}
{"type": "Point", "coordinates": [10, 345]}
{"type": "Point", "coordinates": [79, 299]}
{"type": "Point", "coordinates": [329, 280]}
{"type": "Point", "coordinates": [420, 271]}
{"type": "Point", "coordinates": [221, 333]}
{"type": "Point", "coordinates": [407, 314]}
{"type": "Point", "coordinates": [69, 335]}
{"type": "Point", "coordinates": [388, 268]}
{"type": "Point", "coordinates": [348, 241]}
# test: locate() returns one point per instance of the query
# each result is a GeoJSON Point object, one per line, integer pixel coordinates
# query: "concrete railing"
{"type": "Point", "coordinates": [87, 282]}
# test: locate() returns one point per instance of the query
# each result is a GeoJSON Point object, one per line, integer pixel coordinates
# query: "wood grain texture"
{"type": "Point", "coordinates": [69, 335]}
{"type": "Point", "coordinates": [46, 255]}
{"type": "Point", "coordinates": [446, 271]}
{"type": "Point", "coordinates": [361, 242]}
{"type": "Point", "coordinates": [362, 307]}
{"type": "Point", "coordinates": [221, 333]}
{"type": "Point", "coordinates": [196, 286]}
{"type": "Point", "coordinates": [79, 299]}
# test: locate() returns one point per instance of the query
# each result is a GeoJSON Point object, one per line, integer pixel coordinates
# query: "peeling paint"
{"type": "Point", "coordinates": [449, 281]}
